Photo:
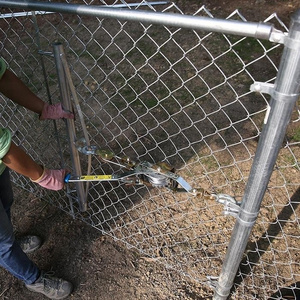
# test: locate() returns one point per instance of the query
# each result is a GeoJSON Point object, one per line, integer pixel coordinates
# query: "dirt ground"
{"type": "Point", "coordinates": [98, 266]}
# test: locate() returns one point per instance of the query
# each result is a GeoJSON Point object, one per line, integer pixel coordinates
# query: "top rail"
{"type": "Point", "coordinates": [38, 12]}
{"type": "Point", "coordinates": [250, 29]}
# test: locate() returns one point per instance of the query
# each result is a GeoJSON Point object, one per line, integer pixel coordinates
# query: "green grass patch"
{"type": "Point", "coordinates": [296, 135]}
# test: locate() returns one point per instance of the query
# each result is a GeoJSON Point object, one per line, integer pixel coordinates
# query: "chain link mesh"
{"type": "Point", "coordinates": [156, 93]}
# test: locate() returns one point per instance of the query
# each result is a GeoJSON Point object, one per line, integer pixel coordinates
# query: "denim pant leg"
{"type": "Point", "coordinates": [12, 256]}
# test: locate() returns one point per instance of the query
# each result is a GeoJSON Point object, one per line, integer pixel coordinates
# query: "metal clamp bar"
{"type": "Point", "coordinates": [262, 87]}
{"type": "Point", "coordinates": [212, 281]}
{"type": "Point", "coordinates": [269, 88]}
{"type": "Point", "coordinates": [231, 206]}
{"type": "Point", "coordinates": [65, 96]}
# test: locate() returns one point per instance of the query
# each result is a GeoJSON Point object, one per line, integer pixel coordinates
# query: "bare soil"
{"type": "Point", "coordinates": [98, 266]}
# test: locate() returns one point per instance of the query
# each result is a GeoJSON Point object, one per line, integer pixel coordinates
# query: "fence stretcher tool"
{"type": "Point", "coordinates": [160, 174]}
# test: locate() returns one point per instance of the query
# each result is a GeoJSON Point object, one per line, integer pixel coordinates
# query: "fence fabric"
{"type": "Point", "coordinates": [154, 93]}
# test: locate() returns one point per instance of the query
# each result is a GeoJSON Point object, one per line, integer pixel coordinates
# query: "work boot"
{"type": "Point", "coordinates": [29, 243]}
{"type": "Point", "coordinates": [51, 287]}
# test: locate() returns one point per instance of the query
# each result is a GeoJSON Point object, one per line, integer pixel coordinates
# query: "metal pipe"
{"type": "Point", "coordinates": [66, 103]}
{"type": "Point", "coordinates": [38, 12]}
{"type": "Point", "coordinates": [23, 14]}
{"type": "Point", "coordinates": [250, 29]}
{"type": "Point", "coordinates": [79, 112]}
{"type": "Point", "coordinates": [38, 43]}
{"type": "Point", "coordinates": [284, 96]}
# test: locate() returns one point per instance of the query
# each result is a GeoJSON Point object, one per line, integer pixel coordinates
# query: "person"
{"type": "Point", "coordinates": [13, 252]}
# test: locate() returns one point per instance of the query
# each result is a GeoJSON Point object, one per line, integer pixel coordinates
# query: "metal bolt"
{"type": "Point", "coordinates": [257, 87]}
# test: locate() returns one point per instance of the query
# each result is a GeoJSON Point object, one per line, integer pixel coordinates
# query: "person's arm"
{"type": "Point", "coordinates": [19, 161]}
{"type": "Point", "coordinates": [13, 88]}
{"type": "Point", "coordinates": [16, 159]}
{"type": "Point", "coordinates": [13, 156]}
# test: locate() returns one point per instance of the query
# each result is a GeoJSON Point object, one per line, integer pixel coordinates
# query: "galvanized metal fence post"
{"type": "Point", "coordinates": [284, 94]}
{"type": "Point", "coordinates": [65, 98]}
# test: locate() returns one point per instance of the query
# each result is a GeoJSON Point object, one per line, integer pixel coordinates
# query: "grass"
{"type": "Point", "coordinates": [296, 135]}
{"type": "Point", "coordinates": [250, 48]}
{"type": "Point", "coordinates": [210, 163]}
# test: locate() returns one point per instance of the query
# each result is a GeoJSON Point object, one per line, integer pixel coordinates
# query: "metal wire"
{"type": "Point", "coordinates": [158, 93]}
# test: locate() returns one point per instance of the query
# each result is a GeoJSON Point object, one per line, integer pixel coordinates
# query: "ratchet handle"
{"type": "Point", "coordinates": [84, 178]}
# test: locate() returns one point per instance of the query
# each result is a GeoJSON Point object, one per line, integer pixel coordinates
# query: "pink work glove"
{"type": "Point", "coordinates": [54, 112]}
{"type": "Point", "coordinates": [52, 179]}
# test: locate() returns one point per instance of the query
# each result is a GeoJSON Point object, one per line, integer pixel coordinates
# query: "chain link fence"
{"type": "Point", "coordinates": [156, 93]}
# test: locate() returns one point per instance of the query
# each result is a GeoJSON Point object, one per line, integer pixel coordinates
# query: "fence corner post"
{"type": "Point", "coordinates": [283, 98]}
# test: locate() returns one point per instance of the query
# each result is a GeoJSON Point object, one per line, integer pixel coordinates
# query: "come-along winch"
{"type": "Point", "coordinates": [159, 174]}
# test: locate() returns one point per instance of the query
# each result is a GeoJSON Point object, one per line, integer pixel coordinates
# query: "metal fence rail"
{"type": "Point", "coordinates": [157, 89]}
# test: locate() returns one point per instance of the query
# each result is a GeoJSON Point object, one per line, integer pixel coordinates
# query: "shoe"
{"type": "Point", "coordinates": [29, 243]}
{"type": "Point", "coordinates": [51, 287]}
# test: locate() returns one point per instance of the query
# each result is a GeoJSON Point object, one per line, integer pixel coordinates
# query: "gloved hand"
{"type": "Point", "coordinates": [52, 179]}
{"type": "Point", "coordinates": [54, 112]}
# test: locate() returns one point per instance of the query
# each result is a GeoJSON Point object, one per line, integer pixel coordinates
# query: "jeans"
{"type": "Point", "coordinates": [12, 256]}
